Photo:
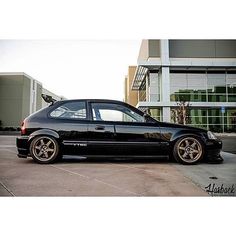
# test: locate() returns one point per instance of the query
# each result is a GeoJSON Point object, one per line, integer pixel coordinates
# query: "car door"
{"type": "Point", "coordinates": [139, 139]}
{"type": "Point", "coordinates": [120, 130]}
{"type": "Point", "coordinates": [101, 131]}
{"type": "Point", "coordinates": [137, 135]}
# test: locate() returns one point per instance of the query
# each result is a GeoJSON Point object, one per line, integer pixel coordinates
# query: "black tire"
{"type": "Point", "coordinates": [45, 150]}
{"type": "Point", "coordinates": [188, 150]}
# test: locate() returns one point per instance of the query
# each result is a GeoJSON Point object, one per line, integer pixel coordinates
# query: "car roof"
{"type": "Point", "coordinates": [93, 100]}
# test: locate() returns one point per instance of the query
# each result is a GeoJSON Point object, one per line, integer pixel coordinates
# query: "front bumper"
{"type": "Point", "coordinates": [213, 149]}
{"type": "Point", "coordinates": [22, 146]}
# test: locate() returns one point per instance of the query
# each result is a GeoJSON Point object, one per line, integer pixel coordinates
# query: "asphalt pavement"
{"type": "Point", "coordinates": [76, 176]}
{"type": "Point", "coordinates": [229, 143]}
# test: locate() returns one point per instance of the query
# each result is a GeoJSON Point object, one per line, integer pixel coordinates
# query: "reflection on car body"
{"type": "Point", "coordinates": [92, 127]}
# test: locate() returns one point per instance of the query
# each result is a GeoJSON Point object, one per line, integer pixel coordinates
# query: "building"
{"type": "Point", "coordinates": [20, 96]}
{"type": "Point", "coordinates": [201, 72]}
{"type": "Point", "coordinates": [131, 96]}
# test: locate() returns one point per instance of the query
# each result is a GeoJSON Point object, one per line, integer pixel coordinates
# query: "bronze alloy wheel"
{"type": "Point", "coordinates": [189, 150]}
{"type": "Point", "coordinates": [44, 149]}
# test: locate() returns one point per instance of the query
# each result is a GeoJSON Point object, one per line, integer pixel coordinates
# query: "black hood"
{"type": "Point", "coordinates": [172, 125]}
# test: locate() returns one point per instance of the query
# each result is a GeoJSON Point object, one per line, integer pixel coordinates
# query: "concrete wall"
{"type": "Point", "coordinates": [11, 97]}
{"type": "Point", "coordinates": [131, 96]}
{"type": "Point", "coordinates": [25, 106]}
{"type": "Point", "coordinates": [39, 100]}
{"type": "Point", "coordinates": [18, 99]}
{"type": "Point", "coordinates": [143, 52]}
{"type": "Point", "coordinates": [191, 48]}
{"type": "Point", "coordinates": [154, 48]}
{"type": "Point", "coordinates": [149, 48]}
{"type": "Point", "coordinates": [126, 89]}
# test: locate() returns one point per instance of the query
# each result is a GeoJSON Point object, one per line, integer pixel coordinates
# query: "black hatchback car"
{"type": "Point", "coordinates": [103, 128]}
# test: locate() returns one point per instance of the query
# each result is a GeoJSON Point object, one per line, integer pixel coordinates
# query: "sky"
{"type": "Point", "coordinates": [73, 68]}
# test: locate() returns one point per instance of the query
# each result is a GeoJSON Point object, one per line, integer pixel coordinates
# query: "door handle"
{"type": "Point", "coordinates": [100, 127]}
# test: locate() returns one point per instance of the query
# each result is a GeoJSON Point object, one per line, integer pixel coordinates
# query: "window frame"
{"type": "Point", "coordinates": [67, 118]}
{"type": "Point", "coordinates": [119, 122]}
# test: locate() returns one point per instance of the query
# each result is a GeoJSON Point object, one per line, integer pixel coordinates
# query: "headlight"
{"type": "Point", "coordinates": [211, 135]}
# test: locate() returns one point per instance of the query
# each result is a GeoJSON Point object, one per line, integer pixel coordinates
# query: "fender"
{"type": "Point", "coordinates": [48, 132]}
{"type": "Point", "coordinates": [182, 133]}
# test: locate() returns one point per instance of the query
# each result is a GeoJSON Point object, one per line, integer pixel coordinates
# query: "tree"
{"type": "Point", "coordinates": [181, 114]}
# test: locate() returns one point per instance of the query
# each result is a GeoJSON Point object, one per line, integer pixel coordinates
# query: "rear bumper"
{"type": "Point", "coordinates": [22, 146]}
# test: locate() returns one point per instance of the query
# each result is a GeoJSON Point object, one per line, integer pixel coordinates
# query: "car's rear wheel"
{"type": "Point", "coordinates": [188, 150]}
{"type": "Point", "coordinates": [44, 149]}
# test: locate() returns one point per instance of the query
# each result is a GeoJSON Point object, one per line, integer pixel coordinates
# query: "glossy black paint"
{"type": "Point", "coordinates": [95, 137]}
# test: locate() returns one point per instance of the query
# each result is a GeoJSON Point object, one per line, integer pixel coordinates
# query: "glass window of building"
{"type": "Point", "coordinates": [215, 120]}
{"type": "Point", "coordinates": [155, 113]}
{"type": "Point", "coordinates": [212, 119]}
{"type": "Point", "coordinates": [196, 83]}
{"type": "Point", "coordinates": [231, 120]}
{"type": "Point", "coordinates": [231, 87]}
{"type": "Point", "coordinates": [198, 117]}
{"type": "Point", "coordinates": [203, 87]}
{"type": "Point", "coordinates": [188, 87]}
{"type": "Point", "coordinates": [177, 83]}
{"type": "Point", "coordinates": [154, 88]}
{"type": "Point", "coordinates": [216, 87]}
{"type": "Point", "coordinates": [142, 91]}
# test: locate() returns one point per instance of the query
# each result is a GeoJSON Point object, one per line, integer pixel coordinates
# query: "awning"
{"type": "Point", "coordinates": [139, 76]}
{"type": "Point", "coordinates": [141, 71]}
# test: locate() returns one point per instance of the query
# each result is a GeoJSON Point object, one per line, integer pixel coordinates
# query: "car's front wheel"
{"type": "Point", "coordinates": [44, 149]}
{"type": "Point", "coordinates": [188, 150]}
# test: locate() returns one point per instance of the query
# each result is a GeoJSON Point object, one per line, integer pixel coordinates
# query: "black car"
{"type": "Point", "coordinates": [95, 127]}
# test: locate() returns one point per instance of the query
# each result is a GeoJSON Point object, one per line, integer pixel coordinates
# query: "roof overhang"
{"type": "Point", "coordinates": [154, 64]}
{"type": "Point", "coordinates": [145, 104]}
{"type": "Point", "coordinates": [142, 69]}
{"type": "Point", "coordinates": [139, 76]}
{"type": "Point", "coordinates": [19, 73]}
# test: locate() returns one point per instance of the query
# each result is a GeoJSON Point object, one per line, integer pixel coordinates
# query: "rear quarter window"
{"type": "Point", "coordinates": [70, 110]}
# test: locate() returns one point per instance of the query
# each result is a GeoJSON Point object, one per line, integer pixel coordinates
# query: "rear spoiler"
{"type": "Point", "coordinates": [48, 99]}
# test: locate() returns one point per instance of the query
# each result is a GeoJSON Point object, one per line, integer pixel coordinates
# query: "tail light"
{"type": "Point", "coordinates": [23, 128]}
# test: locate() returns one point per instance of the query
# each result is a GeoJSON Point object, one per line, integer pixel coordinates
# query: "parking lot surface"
{"type": "Point", "coordinates": [76, 176]}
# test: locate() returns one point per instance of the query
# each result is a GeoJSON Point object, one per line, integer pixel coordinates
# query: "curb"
{"type": "Point", "coordinates": [9, 132]}
{"type": "Point", "coordinates": [226, 134]}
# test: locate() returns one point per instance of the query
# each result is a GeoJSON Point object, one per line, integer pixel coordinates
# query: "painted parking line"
{"type": "Point", "coordinates": [8, 150]}
{"type": "Point", "coordinates": [7, 189]}
{"type": "Point", "coordinates": [95, 179]}
{"type": "Point", "coordinates": [7, 146]}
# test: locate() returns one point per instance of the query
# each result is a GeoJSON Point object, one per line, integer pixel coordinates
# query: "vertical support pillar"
{"type": "Point", "coordinates": [31, 96]}
{"type": "Point", "coordinates": [154, 87]}
{"type": "Point", "coordinates": [35, 96]}
{"type": "Point", "coordinates": [147, 88]}
{"type": "Point", "coordinates": [165, 79]}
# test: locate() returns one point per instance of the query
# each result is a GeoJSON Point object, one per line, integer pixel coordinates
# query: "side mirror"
{"type": "Point", "coordinates": [146, 117]}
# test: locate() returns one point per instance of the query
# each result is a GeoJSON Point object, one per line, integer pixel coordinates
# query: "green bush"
{"type": "Point", "coordinates": [10, 129]}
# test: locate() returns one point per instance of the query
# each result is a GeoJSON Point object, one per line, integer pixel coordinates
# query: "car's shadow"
{"type": "Point", "coordinates": [79, 159]}
{"type": "Point", "coordinates": [118, 160]}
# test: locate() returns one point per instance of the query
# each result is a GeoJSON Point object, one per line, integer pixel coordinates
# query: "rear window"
{"type": "Point", "coordinates": [70, 110]}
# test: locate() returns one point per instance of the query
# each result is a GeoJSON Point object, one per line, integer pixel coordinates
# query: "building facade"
{"type": "Point", "coordinates": [131, 96]}
{"type": "Point", "coordinates": [201, 72]}
{"type": "Point", "coordinates": [20, 96]}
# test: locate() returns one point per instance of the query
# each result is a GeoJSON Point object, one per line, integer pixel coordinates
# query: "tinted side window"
{"type": "Point", "coordinates": [114, 112]}
{"type": "Point", "coordinates": [70, 110]}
